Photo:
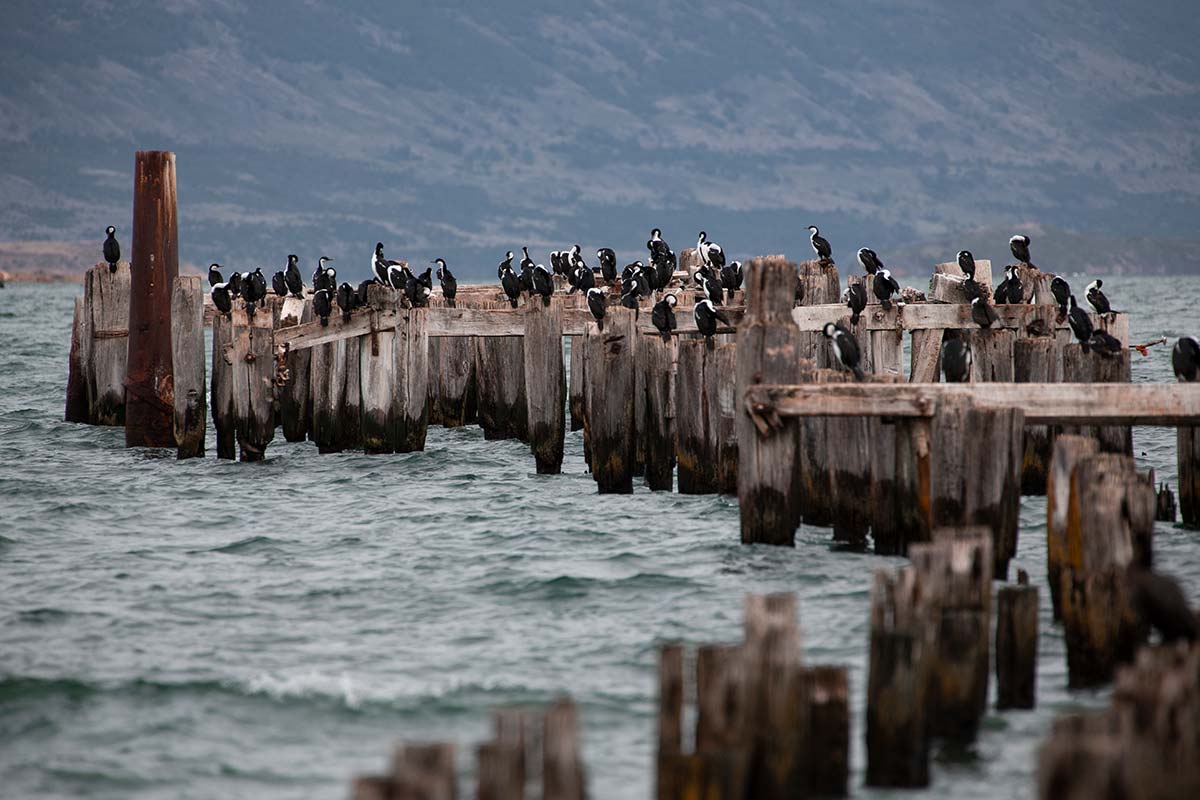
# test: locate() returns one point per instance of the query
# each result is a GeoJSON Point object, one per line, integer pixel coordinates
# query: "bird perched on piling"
{"type": "Point", "coordinates": [856, 299]}
{"type": "Point", "coordinates": [630, 300]}
{"type": "Point", "coordinates": [323, 305]}
{"type": "Point", "coordinates": [321, 278]}
{"type": "Point", "coordinates": [1080, 323]}
{"type": "Point", "coordinates": [446, 279]}
{"type": "Point", "coordinates": [712, 290]}
{"type": "Point", "coordinates": [222, 298]}
{"type": "Point", "coordinates": [731, 276]}
{"type": "Point", "coordinates": [637, 281]}
{"type": "Point", "coordinates": [235, 284]}
{"type": "Point", "coordinates": [362, 292]}
{"type": "Point", "coordinates": [707, 316]}
{"type": "Point", "coordinates": [1019, 245]}
{"type": "Point", "coordinates": [112, 248]}
{"type": "Point", "coordinates": [543, 283]}
{"type": "Point", "coordinates": [506, 264]}
{"type": "Point", "coordinates": [292, 278]}
{"type": "Point", "coordinates": [379, 268]}
{"type": "Point", "coordinates": [1096, 297]}
{"type": "Point", "coordinates": [214, 274]}
{"type": "Point", "coordinates": [885, 287]}
{"type": "Point", "coordinates": [869, 260]}
{"type": "Point", "coordinates": [279, 283]}
{"type": "Point", "coordinates": [1104, 343]}
{"type": "Point", "coordinates": [417, 288]}
{"type": "Point", "coordinates": [956, 361]}
{"type": "Point", "coordinates": [582, 279]}
{"type": "Point", "coordinates": [557, 264]}
{"type": "Point", "coordinates": [662, 258]}
{"type": "Point", "coordinates": [663, 316]}
{"type": "Point", "coordinates": [526, 274]}
{"type": "Point", "coordinates": [347, 300]}
{"type": "Point", "coordinates": [1185, 359]}
{"type": "Point", "coordinates": [254, 289]}
{"type": "Point", "coordinates": [509, 282]}
{"type": "Point", "coordinates": [966, 262]}
{"type": "Point", "coordinates": [845, 348]}
{"type": "Point", "coordinates": [1062, 294]}
{"type": "Point", "coordinates": [800, 290]}
{"type": "Point", "coordinates": [575, 260]}
{"type": "Point", "coordinates": [1160, 603]}
{"type": "Point", "coordinates": [597, 305]}
{"type": "Point", "coordinates": [608, 264]}
{"type": "Point", "coordinates": [1010, 291]}
{"type": "Point", "coordinates": [711, 253]}
{"type": "Point", "coordinates": [982, 313]}
{"type": "Point", "coordinates": [820, 244]}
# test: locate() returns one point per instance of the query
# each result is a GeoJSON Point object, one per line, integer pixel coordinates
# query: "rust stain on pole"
{"type": "Point", "coordinates": [149, 381]}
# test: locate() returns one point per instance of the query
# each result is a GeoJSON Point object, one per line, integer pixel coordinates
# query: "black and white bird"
{"type": "Point", "coordinates": [608, 264]}
{"type": "Point", "coordinates": [509, 281]}
{"type": "Point", "coordinates": [506, 264]}
{"type": "Point", "coordinates": [869, 260]}
{"type": "Point", "coordinates": [526, 271]}
{"type": "Point", "coordinates": [292, 278]}
{"type": "Point", "coordinates": [1159, 602]}
{"type": "Point", "coordinates": [235, 284]}
{"type": "Point", "coordinates": [885, 287]}
{"type": "Point", "coordinates": [417, 289]}
{"type": "Point", "coordinates": [966, 262]}
{"type": "Point", "coordinates": [254, 288]}
{"type": "Point", "coordinates": [323, 305]}
{"type": "Point", "coordinates": [543, 283]}
{"type": "Point", "coordinates": [800, 291]}
{"type": "Point", "coordinates": [956, 361]}
{"type": "Point", "coordinates": [663, 316]}
{"type": "Point", "coordinates": [1010, 291]}
{"type": "Point", "coordinates": [639, 282]}
{"type": "Point", "coordinates": [820, 244]}
{"type": "Point", "coordinates": [712, 290]}
{"type": "Point", "coordinates": [845, 348]}
{"type": "Point", "coordinates": [575, 259]}
{"type": "Point", "coordinates": [329, 276]}
{"type": "Point", "coordinates": [361, 294]}
{"type": "Point", "coordinates": [279, 284]}
{"type": "Point", "coordinates": [711, 253]}
{"type": "Point", "coordinates": [582, 279]}
{"type": "Point", "coordinates": [347, 300]}
{"type": "Point", "coordinates": [1104, 343]}
{"type": "Point", "coordinates": [557, 264]}
{"type": "Point", "coordinates": [856, 299]}
{"type": "Point", "coordinates": [214, 274]}
{"type": "Point", "coordinates": [446, 279]}
{"type": "Point", "coordinates": [660, 251]}
{"type": "Point", "coordinates": [707, 316]}
{"type": "Point", "coordinates": [379, 268]}
{"type": "Point", "coordinates": [397, 275]}
{"type": "Point", "coordinates": [1080, 323]}
{"type": "Point", "coordinates": [112, 248]}
{"type": "Point", "coordinates": [1062, 293]}
{"type": "Point", "coordinates": [1096, 297]}
{"type": "Point", "coordinates": [1185, 359]}
{"type": "Point", "coordinates": [222, 298]}
{"type": "Point", "coordinates": [321, 278]}
{"type": "Point", "coordinates": [629, 300]}
{"type": "Point", "coordinates": [1019, 245]}
{"type": "Point", "coordinates": [731, 276]}
{"type": "Point", "coordinates": [982, 313]}
{"type": "Point", "coordinates": [597, 305]}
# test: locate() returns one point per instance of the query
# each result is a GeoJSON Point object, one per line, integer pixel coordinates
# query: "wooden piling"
{"type": "Point", "coordinates": [722, 410]}
{"type": "Point", "coordinates": [901, 652]}
{"type": "Point", "coordinates": [327, 378]}
{"type": "Point", "coordinates": [187, 366]}
{"type": "Point", "coordinates": [149, 403]}
{"type": "Point", "coordinates": [768, 349]}
{"type": "Point", "coordinates": [827, 761]}
{"type": "Point", "coordinates": [821, 285]}
{"type": "Point", "coordinates": [693, 434]}
{"type": "Point", "coordinates": [913, 494]}
{"type": "Point", "coordinates": [451, 381]}
{"type": "Point", "coordinates": [885, 527]}
{"type": "Point", "coordinates": [545, 385]}
{"type": "Point", "coordinates": [1187, 454]}
{"type": "Point", "coordinates": [562, 768]}
{"type": "Point", "coordinates": [777, 711]}
{"type": "Point", "coordinates": [812, 464]}
{"type": "Point", "coordinates": [499, 776]}
{"type": "Point", "coordinates": [1037, 360]}
{"type": "Point", "coordinates": [991, 354]}
{"type": "Point", "coordinates": [77, 398]}
{"type": "Point", "coordinates": [105, 348]}
{"type": "Point", "coordinates": [294, 398]}
{"type": "Point", "coordinates": [657, 362]}
{"type": "Point", "coordinates": [610, 398]}
{"type": "Point", "coordinates": [578, 383]}
{"type": "Point", "coordinates": [351, 393]}
{"type": "Point", "coordinates": [1016, 646]}
{"type": "Point", "coordinates": [221, 405]}
{"type": "Point", "coordinates": [501, 405]}
{"type": "Point", "coordinates": [848, 465]}
{"type": "Point", "coordinates": [1111, 510]}
{"type": "Point", "coordinates": [377, 374]}
{"type": "Point", "coordinates": [1069, 450]}
{"type": "Point", "coordinates": [410, 387]}
{"type": "Point", "coordinates": [1080, 367]}
{"type": "Point", "coordinates": [424, 772]}
{"type": "Point", "coordinates": [926, 360]}
{"type": "Point", "coordinates": [252, 379]}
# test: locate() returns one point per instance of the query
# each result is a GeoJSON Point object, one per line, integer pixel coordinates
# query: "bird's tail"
{"type": "Point", "coordinates": [346, 315]}
{"type": "Point", "coordinates": [1085, 346]}
{"type": "Point", "coordinates": [858, 374]}
{"type": "Point", "coordinates": [599, 324]}
{"type": "Point", "coordinates": [324, 321]}
{"type": "Point", "coordinates": [112, 266]}
{"type": "Point", "coordinates": [546, 300]}
{"type": "Point", "coordinates": [708, 343]}
{"type": "Point", "coordinates": [854, 318]}
{"type": "Point", "coordinates": [886, 304]}
{"type": "Point", "coordinates": [450, 303]}
{"type": "Point", "coordinates": [513, 301]}
{"type": "Point", "coordinates": [666, 338]}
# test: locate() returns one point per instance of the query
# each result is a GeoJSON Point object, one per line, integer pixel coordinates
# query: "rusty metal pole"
{"type": "Point", "coordinates": [149, 380]}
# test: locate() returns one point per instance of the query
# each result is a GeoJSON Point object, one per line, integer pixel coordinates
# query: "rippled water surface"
{"type": "Point", "coordinates": [214, 629]}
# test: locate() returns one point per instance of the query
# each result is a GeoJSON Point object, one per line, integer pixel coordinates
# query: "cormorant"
{"type": "Point", "coordinates": [112, 248]}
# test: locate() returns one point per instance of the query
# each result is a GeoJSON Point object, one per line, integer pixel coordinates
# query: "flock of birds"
{"type": "Point", "coordinates": [713, 278]}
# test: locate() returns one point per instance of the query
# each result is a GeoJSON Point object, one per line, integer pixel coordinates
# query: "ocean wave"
{"type": "Point", "coordinates": [564, 587]}
{"type": "Point", "coordinates": [249, 545]}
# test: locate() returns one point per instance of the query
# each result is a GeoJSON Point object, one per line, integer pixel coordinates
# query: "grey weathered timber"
{"type": "Point", "coordinates": [77, 398]}
{"type": "Point", "coordinates": [952, 291]}
{"type": "Point", "coordinates": [1188, 459]}
{"type": "Point", "coordinates": [293, 397]}
{"type": "Point", "coordinates": [913, 484]}
{"type": "Point", "coordinates": [777, 711]}
{"type": "Point", "coordinates": [451, 381]}
{"type": "Point", "coordinates": [501, 407]}
{"type": "Point", "coordinates": [955, 573]}
{"type": "Point", "coordinates": [693, 435]}
{"type": "Point", "coordinates": [848, 464]}
{"type": "Point", "coordinates": [187, 356]}
{"type": "Point", "coordinates": [1069, 450]}
{"type": "Point", "coordinates": [926, 316]}
{"type": "Point", "coordinates": [562, 768]}
{"type": "Point", "coordinates": [545, 385]}
{"type": "Point", "coordinates": [992, 355]}
{"type": "Point", "coordinates": [1162, 404]}
{"type": "Point", "coordinates": [499, 775]}
{"type": "Point", "coordinates": [812, 459]}
{"type": "Point", "coordinates": [253, 383]}
{"type": "Point", "coordinates": [410, 409]}
{"type": "Point", "coordinates": [352, 395]}
{"type": "Point", "coordinates": [822, 288]}
{"type": "Point", "coordinates": [926, 366]}
{"type": "Point", "coordinates": [327, 377]}
{"type": "Point", "coordinates": [1109, 521]}
{"type": "Point", "coordinates": [424, 771]}
{"type": "Point", "coordinates": [768, 351]}
{"type": "Point", "coordinates": [610, 396]}
{"type": "Point", "coordinates": [883, 511]}
{"type": "Point", "coordinates": [887, 352]}
{"type": "Point", "coordinates": [221, 405]}
{"type": "Point", "coordinates": [1016, 646]}
{"type": "Point", "coordinates": [106, 320]}
{"type": "Point", "coordinates": [975, 472]}
{"type": "Point", "coordinates": [154, 265]}
{"type": "Point", "coordinates": [1037, 360]}
{"type": "Point", "coordinates": [377, 375]}
{"type": "Point", "coordinates": [577, 386]}
{"type": "Point", "coordinates": [722, 410]}
{"type": "Point", "coordinates": [658, 365]}
{"type": "Point", "coordinates": [902, 646]}
{"type": "Point", "coordinates": [827, 765]}
{"type": "Point", "coordinates": [1080, 367]}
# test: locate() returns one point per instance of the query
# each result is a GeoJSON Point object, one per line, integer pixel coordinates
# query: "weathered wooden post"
{"type": "Point", "coordinates": [1016, 645]}
{"type": "Point", "coordinates": [545, 384]}
{"type": "Point", "coordinates": [848, 464]}
{"type": "Point", "coordinates": [991, 353]}
{"type": "Point", "coordinates": [658, 363]}
{"type": "Point", "coordinates": [410, 387]}
{"type": "Point", "coordinates": [610, 401]}
{"type": "Point", "coordinates": [1069, 450]}
{"type": "Point", "coordinates": [149, 400]}
{"type": "Point", "coordinates": [500, 384]}
{"type": "Point", "coordinates": [821, 285]}
{"type": "Point", "coordinates": [768, 343]}
{"type": "Point", "coordinates": [425, 771]}
{"type": "Point", "coordinates": [377, 375]}
{"type": "Point", "coordinates": [253, 375]}
{"type": "Point", "coordinates": [902, 642]}
{"type": "Point", "coordinates": [222, 408]}
{"type": "Point", "coordinates": [1187, 454]}
{"type": "Point", "coordinates": [562, 768]}
{"type": "Point", "coordinates": [499, 776]}
{"type": "Point", "coordinates": [451, 381]}
{"type": "Point", "coordinates": [723, 406]}
{"type": "Point", "coordinates": [77, 399]}
{"type": "Point", "coordinates": [777, 710]}
{"type": "Point", "coordinates": [913, 483]}
{"type": "Point", "coordinates": [812, 468]}
{"type": "Point", "coordinates": [1037, 360]}
{"type": "Point", "coordinates": [294, 399]}
{"type": "Point", "coordinates": [105, 342]}
{"type": "Point", "coordinates": [1080, 367]}
{"type": "Point", "coordinates": [578, 382]}
{"type": "Point", "coordinates": [327, 378]}
{"type": "Point", "coordinates": [1111, 509]}
{"type": "Point", "coordinates": [187, 366]}
{"type": "Point", "coordinates": [827, 769]}
{"type": "Point", "coordinates": [693, 434]}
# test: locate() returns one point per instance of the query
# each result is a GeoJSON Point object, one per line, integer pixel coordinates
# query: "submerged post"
{"type": "Point", "coordinates": [187, 353]}
{"type": "Point", "coordinates": [149, 396]}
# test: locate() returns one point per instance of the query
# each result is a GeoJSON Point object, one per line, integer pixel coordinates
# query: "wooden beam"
{"type": "Point", "coordinates": [926, 316]}
{"type": "Point", "coordinates": [1161, 404]}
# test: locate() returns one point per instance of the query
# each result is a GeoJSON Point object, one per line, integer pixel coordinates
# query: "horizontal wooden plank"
{"type": "Point", "coordinates": [1165, 404]}
{"type": "Point", "coordinates": [927, 316]}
